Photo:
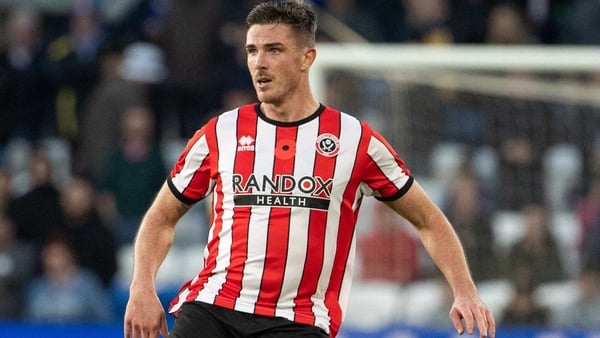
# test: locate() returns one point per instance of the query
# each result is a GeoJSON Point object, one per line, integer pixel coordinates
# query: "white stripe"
{"type": "Point", "coordinates": [180, 300]}
{"type": "Point", "coordinates": [257, 241]}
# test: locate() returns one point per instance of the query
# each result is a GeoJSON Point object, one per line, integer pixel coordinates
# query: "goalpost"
{"type": "Point", "coordinates": [390, 57]}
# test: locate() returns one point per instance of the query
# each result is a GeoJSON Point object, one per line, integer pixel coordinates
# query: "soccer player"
{"type": "Point", "coordinates": [286, 176]}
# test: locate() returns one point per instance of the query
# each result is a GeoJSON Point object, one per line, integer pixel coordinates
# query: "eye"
{"type": "Point", "coordinates": [274, 50]}
{"type": "Point", "coordinates": [251, 51]}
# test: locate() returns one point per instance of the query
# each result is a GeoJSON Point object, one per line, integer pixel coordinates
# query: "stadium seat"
{"type": "Point", "coordinates": [485, 164]}
{"type": "Point", "coordinates": [446, 158]}
{"type": "Point", "coordinates": [496, 294]}
{"type": "Point", "coordinates": [192, 261]}
{"type": "Point", "coordinates": [562, 165]}
{"type": "Point", "coordinates": [373, 305]}
{"type": "Point", "coordinates": [422, 299]}
{"type": "Point", "coordinates": [59, 153]}
{"type": "Point", "coordinates": [193, 226]}
{"type": "Point", "coordinates": [170, 151]}
{"type": "Point", "coordinates": [507, 228]}
{"type": "Point", "coordinates": [557, 296]}
{"type": "Point", "coordinates": [567, 231]}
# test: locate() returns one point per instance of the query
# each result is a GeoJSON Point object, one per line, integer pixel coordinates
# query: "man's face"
{"type": "Point", "coordinates": [274, 61]}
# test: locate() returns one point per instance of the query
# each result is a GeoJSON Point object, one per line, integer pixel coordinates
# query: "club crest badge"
{"type": "Point", "coordinates": [327, 145]}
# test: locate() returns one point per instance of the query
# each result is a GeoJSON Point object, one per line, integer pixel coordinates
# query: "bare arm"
{"type": "Point", "coordinates": [144, 316]}
{"type": "Point", "coordinates": [442, 244]}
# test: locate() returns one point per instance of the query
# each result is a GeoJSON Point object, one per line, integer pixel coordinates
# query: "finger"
{"type": "Point", "coordinates": [127, 330]}
{"type": "Point", "coordinates": [480, 320]}
{"type": "Point", "coordinates": [456, 319]}
{"type": "Point", "coordinates": [469, 321]}
{"type": "Point", "coordinates": [132, 331]}
{"type": "Point", "coordinates": [138, 332]}
{"type": "Point", "coordinates": [491, 324]}
{"type": "Point", "coordinates": [483, 328]}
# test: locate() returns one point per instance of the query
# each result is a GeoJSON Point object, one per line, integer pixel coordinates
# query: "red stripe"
{"type": "Point", "coordinates": [244, 165]}
{"type": "Point", "coordinates": [279, 228]}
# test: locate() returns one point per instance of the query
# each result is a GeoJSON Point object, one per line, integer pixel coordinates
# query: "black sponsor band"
{"type": "Point", "coordinates": [281, 201]}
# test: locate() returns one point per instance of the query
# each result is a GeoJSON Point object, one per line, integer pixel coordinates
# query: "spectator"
{"type": "Point", "coordinates": [135, 171]}
{"type": "Point", "coordinates": [428, 21]}
{"type": "Point", "coordinates": [66, 292]}
{"type": "Point", "coordinates": [588, 213]}
{"type": "Point", "coordinates": [515, 121]}
{"type": "Point", "coordinates": [16, 269]}
{"type": "Point", "coordinates": [195, 62]}
{"type": "Point", "coordinates": [74, 65]}
{"type": "Point", "coordinates": [462, 120]}
{"type": "Point", "coordinates": [522, 310]}
{"type": "Point", "coordinates": [92, 240]}
{"type": "Point", "coordinates": [507, 25]}
{"type": "Point", "coordinates": [466, 211]}
{"type": "Point", "coordinates": [391, 16]}
{"type": "Point", "coordinates": [388, 251]}
{"type": "Point", "coordinates": [129, 78]}
{"type": "Point", "coordinates": [24, 90]}
{"type": "Point", "coordinates": [358, 19]}
{"type": "Point", "coordinates": [581, 26]}
{"type": "Point", "coordinates": [537, 250]}
{"type": "Point", "coordinates": [521, 134]}
{"type": "Point", "coordinates": [469, 19]}
{"type": "Point", "coordinates": [6, 193]}
{"type": "Point", "coordinates": [37, 212]}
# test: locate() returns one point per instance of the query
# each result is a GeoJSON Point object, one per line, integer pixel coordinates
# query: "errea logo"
{"type": "Point", "coordinates": [245, 143]}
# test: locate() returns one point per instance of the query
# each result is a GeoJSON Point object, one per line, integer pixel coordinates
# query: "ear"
{"type": "Point", "coordinates": [308, 57]}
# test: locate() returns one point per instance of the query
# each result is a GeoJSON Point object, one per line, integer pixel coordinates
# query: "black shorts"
{"type": "Point", "coordinates": [198, 320]}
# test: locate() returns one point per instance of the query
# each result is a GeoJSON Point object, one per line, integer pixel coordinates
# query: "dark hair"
{"type": "Point", "coordinates": [298, 15]}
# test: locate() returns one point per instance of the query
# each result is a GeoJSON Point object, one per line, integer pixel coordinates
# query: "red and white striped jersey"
{"type": "Point", "coordinates": [285, 202]}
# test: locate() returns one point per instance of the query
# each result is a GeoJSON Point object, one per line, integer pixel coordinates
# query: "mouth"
{"type": "Point", "coordinates": [262, 81]}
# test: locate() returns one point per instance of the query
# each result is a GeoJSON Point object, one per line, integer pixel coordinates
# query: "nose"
{"type": "Point", "coordinates": [259, 60]}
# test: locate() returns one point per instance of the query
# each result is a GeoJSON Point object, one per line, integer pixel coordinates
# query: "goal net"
{"type": "Point", "coordinates": [524, 119]}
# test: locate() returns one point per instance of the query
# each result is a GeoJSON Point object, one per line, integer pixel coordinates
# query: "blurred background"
{"type": "Point", "coordinates": [494, 105]}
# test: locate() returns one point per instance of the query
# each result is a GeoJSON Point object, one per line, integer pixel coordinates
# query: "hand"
{"type": "Point", "coordinates": [144, 316]}
{"type": "Point", "coordinates": [473, 312]}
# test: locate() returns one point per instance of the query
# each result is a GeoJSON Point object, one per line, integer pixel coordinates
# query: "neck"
{"type": "Point", "coordinates": [291, 110]}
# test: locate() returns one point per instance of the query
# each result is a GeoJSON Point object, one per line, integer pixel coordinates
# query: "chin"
{"type": "Point", "coordinates": [267, 99]}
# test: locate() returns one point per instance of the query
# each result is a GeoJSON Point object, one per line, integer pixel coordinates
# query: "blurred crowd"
{"type": "Point", "coordinates": [91, 98]}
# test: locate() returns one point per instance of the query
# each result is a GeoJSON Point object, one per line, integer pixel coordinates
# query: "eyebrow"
{"type": "Point", "coordinates": [268, 45]}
